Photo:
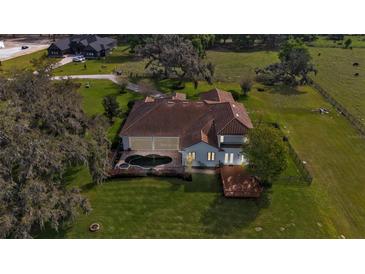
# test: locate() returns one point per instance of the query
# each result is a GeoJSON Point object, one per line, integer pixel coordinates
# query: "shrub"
{"type": "Point", "coordinates": [246, 84]}
{"type": "Point", "coordinates": [123, 83]}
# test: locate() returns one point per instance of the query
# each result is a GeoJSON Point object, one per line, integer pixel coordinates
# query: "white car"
{"type": "Point", "coordinates": [78, 58]}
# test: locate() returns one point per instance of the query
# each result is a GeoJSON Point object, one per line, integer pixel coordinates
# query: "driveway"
{"type": "Point", "coordinates": [65, 60]}
{"type": "Point", "coordinates": [13, 47]}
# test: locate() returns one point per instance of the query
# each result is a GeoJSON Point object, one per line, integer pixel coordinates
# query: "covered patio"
{"type": "Point", "coordinates": [237, 182]}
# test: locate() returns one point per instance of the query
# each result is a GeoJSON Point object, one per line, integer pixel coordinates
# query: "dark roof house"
{"type": "Point", "coordinates": [89, 45]}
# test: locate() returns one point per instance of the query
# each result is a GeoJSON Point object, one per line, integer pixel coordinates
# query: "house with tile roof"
{"type": "Point", "coordinates": [89, 45]}
{"type": "Point", "coordinates": [205, 133]}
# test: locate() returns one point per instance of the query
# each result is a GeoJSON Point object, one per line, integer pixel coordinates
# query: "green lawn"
{"type": "Point", "coordinates": [172, 208]}
{"type": "Point", "coordinates": [119, 58]}
{"type": "Point", "coordinates": [336, 75]}
{"type": "Point", "coordinates": [23, 62]}
{"type": "Point", "coordinates": [230, 66]}
{"type": "Point", "coordinates": [93, 98]}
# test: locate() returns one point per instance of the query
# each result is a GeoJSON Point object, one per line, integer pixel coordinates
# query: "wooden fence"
{"type": "Point", "coordinates": [302, 168]}
{"type": "Point", "coordinates": [299, 164]}
{"type": "Point", "coordinates": [351, 118]}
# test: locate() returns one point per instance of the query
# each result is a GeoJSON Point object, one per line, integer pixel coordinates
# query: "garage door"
{"type": "Point", "coordinates": [154, 143]}
{"type": "Point", "coordinates": [166, 143]}
{"type": "Point", "coordinates": [141, 143]}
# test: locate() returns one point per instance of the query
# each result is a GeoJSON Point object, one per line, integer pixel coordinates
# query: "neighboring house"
{"type": "Point", "coordinates": [89, 45]}
{"type": "Point", "coordinates": [207, 132]}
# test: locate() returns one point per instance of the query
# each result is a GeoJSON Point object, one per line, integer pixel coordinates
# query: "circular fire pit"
{"type": "Point", "coordinates": [94, 227]}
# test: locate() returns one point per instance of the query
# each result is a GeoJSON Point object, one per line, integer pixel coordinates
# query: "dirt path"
{"type": "Point", "coordinates": [114, 79]}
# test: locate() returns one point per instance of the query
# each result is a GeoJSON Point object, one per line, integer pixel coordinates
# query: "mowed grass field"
{"type": "Point", "coordinates": [120, 58]}
{"type": "Point", "coordinates": [23, 62]}
{"type": "Point", "coordinates": [331, 207]}
{"type": "Point", "coordinates": [358, 41]}
{"type": "Point", "coordinates": [337, 76]}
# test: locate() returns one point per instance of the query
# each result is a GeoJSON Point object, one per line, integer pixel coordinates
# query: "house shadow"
{"type": "Point", "coordinates": [227, 214]}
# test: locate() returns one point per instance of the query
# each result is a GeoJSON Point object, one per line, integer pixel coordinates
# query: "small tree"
{"type": "Point", "coordinates": [111, 107]}
{"type": "Point", "coordinates": [348, 43]}
{"type": "Point", "coordinates": [123, 83]}
{"type": "Point", "coordinates": [246, 84]}
{"type": "Point", "coordinates": [266, 153]}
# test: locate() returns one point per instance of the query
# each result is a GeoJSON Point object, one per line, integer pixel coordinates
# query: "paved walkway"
{"type": "Point", "coordinates": [113, 78]}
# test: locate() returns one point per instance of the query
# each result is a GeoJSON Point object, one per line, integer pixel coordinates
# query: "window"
{"type": "Point", "coordinates": [222, 139]}
{"type": "Point", "coordinates": [191, 155]}
{"type": "Point", "coordinates": [211, 156]}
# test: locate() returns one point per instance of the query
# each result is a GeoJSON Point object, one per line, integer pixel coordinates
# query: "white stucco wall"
{"type": "Point", "coordinates": [201, 155]}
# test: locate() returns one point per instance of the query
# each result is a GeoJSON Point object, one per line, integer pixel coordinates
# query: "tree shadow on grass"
{"type": "Point", "coordinates": [49, 233]}
{"type": "Point", "coordinates": [117, 59]}
{"type": "Point", "coordinates": [284, 90]}
{"type": "Point", "coordinates": [89, 186]}
{"type": "Point", "coordinates": [227, 214]}
{"type": "Point", "coordinates": [207, 184]}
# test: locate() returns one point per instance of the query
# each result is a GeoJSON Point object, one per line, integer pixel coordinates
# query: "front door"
{"type": "Point", "coordinates": [231, 158]}
{"type": "Point", "coordinates": [226, 157]}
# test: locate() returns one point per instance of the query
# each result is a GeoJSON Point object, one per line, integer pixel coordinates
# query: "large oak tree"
{"type": "Point", "coordinates": [44, 132]}
{"type": "Point", "coordinates": [174, 56]}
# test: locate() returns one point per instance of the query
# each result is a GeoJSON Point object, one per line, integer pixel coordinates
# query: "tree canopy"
{"type": "Point", "coordinates": [266, 153]}
{"type": "Point", "coordinates": [111, 107]}
{"type": "Point", "coordinates": [174, 56]}
{"type": "Point", "coordinates": [43, 133]}
{"type": "Point", "coordinates": [293, 68]}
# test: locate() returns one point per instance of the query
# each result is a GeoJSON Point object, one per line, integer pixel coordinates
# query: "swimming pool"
{"type": "Point", "coordinates": [148, 161]}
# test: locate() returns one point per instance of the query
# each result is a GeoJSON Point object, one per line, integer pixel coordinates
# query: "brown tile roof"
{"type": "Point", "coordinates": [217, 95]}
{"type": "Point", "coordinates": [192, 121]}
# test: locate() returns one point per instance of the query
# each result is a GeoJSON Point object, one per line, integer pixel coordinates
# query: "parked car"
{"type": "Point", "coordinates": [79, 58]}
{"type": "Point", "coordinates": [25, 47]}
